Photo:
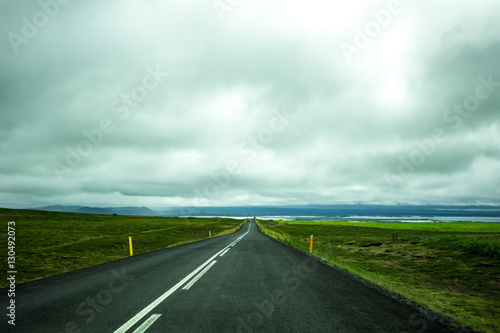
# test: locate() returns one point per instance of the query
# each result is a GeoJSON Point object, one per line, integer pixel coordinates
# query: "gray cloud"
{"type": "Point", "coordinates": [262, 107]}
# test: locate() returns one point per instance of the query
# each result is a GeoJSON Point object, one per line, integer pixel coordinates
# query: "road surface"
{"type": "Point", "coordinates": [243, 282]}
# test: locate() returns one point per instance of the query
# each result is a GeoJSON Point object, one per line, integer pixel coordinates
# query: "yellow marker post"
{"type": "Point", "coordinates": [311, 245]}
{"type": "Point", "coordinates": [130, 245]}
{"type": "Point", "coordinates": [226, 231]}
{"type": "Point", "coordinates": [273, 234]}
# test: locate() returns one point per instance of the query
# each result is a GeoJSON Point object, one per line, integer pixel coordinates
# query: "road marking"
{"type": "Point", "coordinates": [132, 321]}
{"type": "Point", "coordinates": [147, 323]}
{"type": "Point", "coordinates": [223, 253]}
{"type": "Point", "coordinates": [197, 277]}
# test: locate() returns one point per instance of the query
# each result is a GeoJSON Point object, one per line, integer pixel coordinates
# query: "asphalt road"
{"type": "Point", "coordinates": [244, 282]}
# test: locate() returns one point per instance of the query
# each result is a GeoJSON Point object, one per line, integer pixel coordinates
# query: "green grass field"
{"type": "Point", "coordinates": [51, 243]}
{"type": "Point", "coordinates": [441, 226]}
{"type": "Point", "coordinates": [452, 268]}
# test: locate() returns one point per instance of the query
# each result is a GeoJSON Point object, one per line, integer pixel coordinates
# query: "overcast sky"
{"type": "Point", "coordinates": [172, 103]}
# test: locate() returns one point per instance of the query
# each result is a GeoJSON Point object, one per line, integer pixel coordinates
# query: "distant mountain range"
{"type": "Point", "coordinates": [140, 211]}
{"type": "Point", "coordinates": [307, 210]}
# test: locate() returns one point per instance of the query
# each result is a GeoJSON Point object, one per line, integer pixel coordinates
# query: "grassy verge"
{"type": "Point", "coordinates": [51, 243]}
{"type": "Point", "coordinates": [452, 268]}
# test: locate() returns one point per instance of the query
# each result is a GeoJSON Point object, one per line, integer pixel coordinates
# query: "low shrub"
{"type": "Point", "coordinates": [472, 245]}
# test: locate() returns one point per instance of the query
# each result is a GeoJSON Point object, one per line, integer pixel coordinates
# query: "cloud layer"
{"type": "Point", "coordinates": [229, 103]}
